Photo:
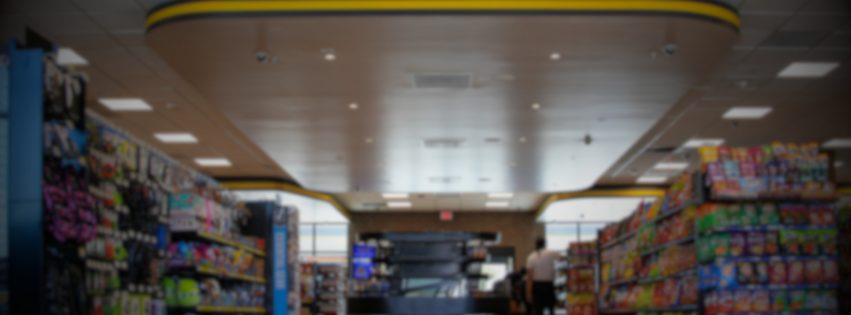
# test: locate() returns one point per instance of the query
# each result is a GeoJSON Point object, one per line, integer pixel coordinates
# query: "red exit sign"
{"type": "Point", "coordinates": [445, 215]}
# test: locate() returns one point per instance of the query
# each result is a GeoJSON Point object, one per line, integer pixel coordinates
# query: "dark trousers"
{"type": "Point", "coordinates": [544, 295]}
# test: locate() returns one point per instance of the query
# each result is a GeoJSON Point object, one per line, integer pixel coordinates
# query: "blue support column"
{"type": "Point", "coordinates": [26, 244]}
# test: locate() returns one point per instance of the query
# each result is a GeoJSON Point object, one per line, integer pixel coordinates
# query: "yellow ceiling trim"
{"type": "Point", "coordinates": [206, 7]}
{"type": "Point", "coordinates": [286, 187]}
{"type": "Point", "coordinates": [601, 193]}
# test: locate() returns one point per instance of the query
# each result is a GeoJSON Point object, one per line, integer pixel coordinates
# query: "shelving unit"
{"type": "Point", "coordinates": [408, 259]}
{"type": "Point", "coordinates": [220, 309]}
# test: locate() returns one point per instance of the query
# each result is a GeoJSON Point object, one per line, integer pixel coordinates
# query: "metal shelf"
{"type": "Point", "coordinates": [622, 281]}
{"type": "Point", "coordinates": [666, 245]}
{"type": "Point", "coordinates": [771, 258]}
{"type": "Point", "coordinates": [661, 278]}
{"type": "Point", "coordinates": [221, 240]}
{"type": "Point", "coordinates": [618, 239]}
{"type": "Point", "coordinates": [803, 286]}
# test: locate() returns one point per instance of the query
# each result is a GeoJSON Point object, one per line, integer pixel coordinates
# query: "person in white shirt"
{"type": "Point", "coordinates": [540, 267]}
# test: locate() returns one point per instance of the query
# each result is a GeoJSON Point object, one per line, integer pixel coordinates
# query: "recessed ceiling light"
{"type": "Point", "coordinates": [497, 204]}
{"type": "Point", "coordinates": [68, 57]}
{"type": "Point", "coordinates": [125, 104]}
{"type": "Point", "coordinates": [671, 166]}
{"type": "Point", "coordinates": [213, 162]}
{"type": "Point", "coordinates": [651, 179]}
{"type": "Point", "coordinates": [353, 106]}
{"type": "Point", "coordinates": [536, 106]}
{"type": "Point", "coordinates": [501, 195]}
{"type": "Point", "coordinates": [800, 69]}
{"type": "Point", "coordinates": [398, 204]}
{"type": "Point", "coordinates": [176, 137]}
{"type": "Point", "coordinates": [696, 143]}
{"type": "Point", "coordinates": [837, 143]}
{"type": "Point", "coordinates": [329, 56]}
{"type": "Point", "coordinates": [555, 56]}
{"type": "Point", "coordinates": [395, 195]}
{"type": "Point", "coordinates": [747, 112]}
{"type": "Point", "coordinates": [522, 139]}
{"type": "Point", "coordinates": [368, 140]}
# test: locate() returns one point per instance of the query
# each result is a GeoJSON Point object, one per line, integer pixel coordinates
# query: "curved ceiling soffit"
{"type": "Point", "coordinates": [183, 10]}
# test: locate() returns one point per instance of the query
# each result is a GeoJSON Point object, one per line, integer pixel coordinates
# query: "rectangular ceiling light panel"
{"type": "Point", "coordinates": [500, 195]}
{"type": "Point", "coordinates": [176, 137]}
{"type": "Point", "coordinates": [747, 112]}
{"type": "Point", "coordinates": [395, 195]}
{"type": "Point", "coordinates": [213, 162]}
{"type": "Point", "coordinates": [651, 179]}
{"type": "Point", "coordinates": [125, 104]}
{"type": "Point", "coordinates": [837, 143]}
{"type": "Point", "coordinates": [443, 143]}
{"type": "Point", "coordinates": [398, 204]}
{"type": "Point", "coordinates": [497, 204]}
{"type": "Point", "coordinates": [696, 143]}
{"type": "Point", "coordinates": [671, 166]}
{"type": "Point", "coordinates": [801, 69]}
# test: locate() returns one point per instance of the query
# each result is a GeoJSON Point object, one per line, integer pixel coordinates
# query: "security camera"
{"type": "Point", "coordinates": [669, 49]}
{"type": "Point", "coordinates": [262, 56]}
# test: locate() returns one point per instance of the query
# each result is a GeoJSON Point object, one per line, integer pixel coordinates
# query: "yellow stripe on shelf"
{"type": "Point", "coordinates": [286, 187]}
{"type": "Point", "coordinates": [211, 271]}
{"type": "Point", "coordinates": [206, 7]}
{"type": "Point", "coordinates": [601, 193]}
{"type": "Point", "coordinates": [228, 242]}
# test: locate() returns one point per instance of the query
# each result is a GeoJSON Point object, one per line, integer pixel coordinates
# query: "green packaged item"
{"type": "Point", "coordinates": [720, 215]}
{"type": "Point", "coordinates": [768, 214]}
{"type": "Point", "coordinates": [750, 216]}
{"type": "Point", "coordinates": [779, 301]}
{"type": "Point", "coordinates": [797, 300]}
{"type": "Point", "coordinates": [705, 250]}
{"type": "Point", "coordinates": [721, 245]}
{"type": "Point", "coordinates": [646, 236]}
{"type": "Point", "coordinates": [790, 243]}
{"type": "Point", "coordinates": [827, 241]}
{"type": "Point", "coordinates": [734, 214]}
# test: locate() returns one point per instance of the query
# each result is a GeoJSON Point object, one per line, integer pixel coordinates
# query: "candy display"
{"type": "Point", "coordinates": [770, 171]}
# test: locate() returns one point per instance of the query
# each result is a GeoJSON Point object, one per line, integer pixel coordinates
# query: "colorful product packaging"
{"type": "Point", "coordinates": [779, 301]}
{"type": "Point", "coordinates": [795, 272]}
{"type": "Point", "coordinates": [727, 275]}
{"type": "Point", "coordinates": [738, 242]}
{"type": "Point", "coordinates": [756, 243]}
{"type": "Point", "coordinates": [777, 272]}
{"type": "Point", "coordinates": [831, 271]}
{"type": "Point", "coordinates": [742, 301]}
{"type": "Point", "coordinates": [771, 243]}
{"type": "Point", "coordinates": [813, 271]}
{"type": "Point", "coordinates": [750, 216]}
{"type": "Point", "coordinates": [809, 242]}
{"type": "Point", "coordinates": [761, 269]}
{"type": "Point", "coordinates": [813, 301]}
{"type": "Point", "coordinates": [721, 244]}
{"type": "Point", "coordinates": [797, 299]}
{"type": "Point", "coordinates": [768, 214]}
{"type": "Point", "coordinates": [725, 301]}
{"type": "Point", "coordinates": [734, 214]}
{"type": "Point", "coordinates": [760, 301]}
{"type": "Point", "coordinates": [827, 240]}
{"type": "Point", "coordinates": [789, 241]}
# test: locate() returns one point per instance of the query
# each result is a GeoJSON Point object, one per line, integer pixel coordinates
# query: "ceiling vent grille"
{"type": "Point", "coordinates": [443, 81]}
{"type": "Point", "coordinates": [443, 143]}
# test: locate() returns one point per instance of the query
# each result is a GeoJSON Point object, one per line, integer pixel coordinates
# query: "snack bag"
{"type": "Point", "coordinates": [813, 271]}
{"type": "Point", "coordinates": [721, 244]}
{"type": "Point", "coordinates": [705, 250]}
{"type": "Point", "coordinates": [756, 243]}
{"type": "Point", "coordinates": [761, 269]}
{"type": "Point", "coordinates": [801, 214]}
{"type": "Point", "coordinates": [796, 300]}
{"type": "Point", "coordinates": [827, 239]}
{"type": "Point", "coordinates": [708, 154]}
{"type": "Point", "coordinates": [831, 271]}
{"type": "Point", "coordinates": [787, 213]}
{"type": "Point", "coordinates": [689, 294]}
{"type": "Point", "coordinates": [739, 154]}
{"type": "Point", "coordinates": [789, 242]}
{"type": "Point", "coordinates": [795, 272]}
{"type": "Point", "coordinates": [724, 153]}
{"type": "Point", "coordinates": [760, 301]}
{"type": "Point", "coordinates": [720, 215]}
{"type": "Point", "coordinates": [734, 214]}
{"type": "Point", "coordinates": [738, 243]}
{"type": "Point", "coordinates": [779, 301]}
{"type": "Point", "coordinates": [828, 300]}
{"type": "Point", "coordinates": [815, 214]}
{"type": "Point", "coordinates": [715, 171]}
{"type": "Point", "coordinates": [745, 274]}
{"type": "Point", "coordinates": [710, 303]}
{"type": "Point", "coordinates": [725, 302]}
{"type": "Point", "coordinates": [749, 214]}
{"type": "Point", "coordinates": [809, 242]}
{"type": "Point", "coordinates": [768, 214]}
{"type": "Point", "coordinates": [770, 240]}
{"type": "Point", "coordinates": [756, 155]}
{"type": "Point", "coordinates": [708, 277]}
{"type": "Point", "coordinates": [727, 275]}
{"type": "Point", "coordinates": [827, 216]}
{"type": "Point", "coordinates": [742, 303]}
{"type": "Point", "coordinates": [813, 301]}
{"type": "Point", "coordinates": [777, 272]}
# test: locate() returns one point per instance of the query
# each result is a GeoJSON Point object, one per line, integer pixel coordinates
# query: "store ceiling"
{"type": "Point", "coordinates": [110, 34]}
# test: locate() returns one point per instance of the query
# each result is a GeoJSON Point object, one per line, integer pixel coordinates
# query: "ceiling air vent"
{"type": "Point", "coordinates": [443, 143]}
{"type": "Point", "coordinates": [443, 81]}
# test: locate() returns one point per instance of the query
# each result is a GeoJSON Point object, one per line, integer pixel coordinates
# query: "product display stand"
{"type": "Point", "coordinates": [424, 273]}
{"type": "Point", "coordinates": [581, 272]}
